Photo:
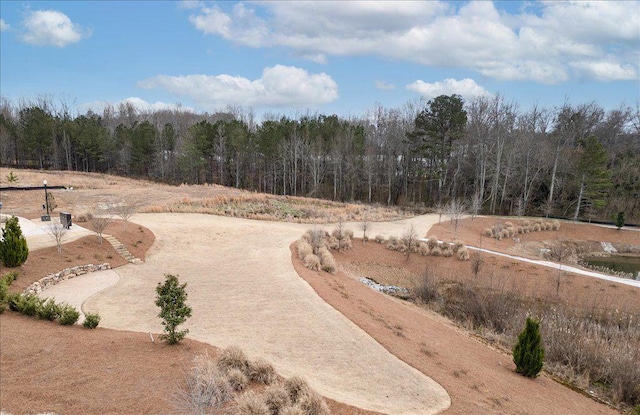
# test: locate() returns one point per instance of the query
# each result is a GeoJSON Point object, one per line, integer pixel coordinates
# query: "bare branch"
{"type": "Point", "coordinates": [58, 232]}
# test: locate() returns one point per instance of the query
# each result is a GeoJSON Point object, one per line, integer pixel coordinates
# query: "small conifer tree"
{"type": "Point", "coordinates": [620, 220]}
{"type": "Point", "coordinates": [171, 298]}
{"type": "Point", "coordinates": [13, 247]}
{"type": "Point", "coordinates": [528, 353]}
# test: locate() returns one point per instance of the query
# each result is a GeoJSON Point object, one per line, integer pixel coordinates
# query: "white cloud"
{"type": "Point", "coordinates": [4, 26]}
{"type": "Point", "coordinates": [606, 71]}
{"type": "Point", "coordinates": [138, 103]}
{"type": "Point", "coordinates": [465, 87]}
{"type": "Point", "coordinates": [280, 87]}
{"type": "Point", "coordinates": [539, 43]}
{"type": "Point", "coordinates": [51, 28]}
{"type": "Point", "coordinates": [385, 86]}
{"type": "Point", "coordinates": [190, 4]}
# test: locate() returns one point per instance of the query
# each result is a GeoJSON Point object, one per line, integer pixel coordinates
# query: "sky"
{"type": "Point", "coordinates": [330, 57]}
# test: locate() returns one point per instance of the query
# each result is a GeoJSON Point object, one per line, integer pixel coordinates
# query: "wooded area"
{"type": "Point", "coordinates": [575, 161]}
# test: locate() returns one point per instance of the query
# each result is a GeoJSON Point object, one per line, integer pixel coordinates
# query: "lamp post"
{"type": "Point", "coordinates": [46, 217]}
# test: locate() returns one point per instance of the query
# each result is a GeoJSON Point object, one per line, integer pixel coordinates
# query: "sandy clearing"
{"type": "Point", "coordinates": [244, 290]}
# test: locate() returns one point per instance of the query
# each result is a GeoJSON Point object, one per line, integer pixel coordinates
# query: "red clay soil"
{"type": "Point", "coordinates": [73, 370]}
{"type": "Point", "coordinates": [478, 377]}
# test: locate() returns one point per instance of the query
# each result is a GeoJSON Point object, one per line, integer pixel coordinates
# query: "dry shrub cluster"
{"type": "Point", "coordinates": [510, 230]}
{"type": "Point", "coordinates": [223, 386]}
{"type": "Point", "coordinates": [588, 347]}
{"type": "Point", "coordinates": [314, 247]}
{"type": "Point", "coordinates": [431, 247]}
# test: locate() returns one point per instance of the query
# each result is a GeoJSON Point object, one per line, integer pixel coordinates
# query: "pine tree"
{"type": "Point", "coordinates": [528, 353]}
{"type": "Point", "coordinates": [620, 220]}
{"type": "Point", "coordinates": [171, 297]}
{"type": "Point", "coordinates": [13, 247]}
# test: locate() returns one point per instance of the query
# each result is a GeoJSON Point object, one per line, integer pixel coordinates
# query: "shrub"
{"type": "Point", "coordinates": [508, 225]}
{"type": "Point", "coordinates": [457, 244]}
{"type": "Point", "coordinates": [427, 289]}
{"type": "Point", "coordinates": [312, 404]}
{"type": "Point", "coordinates": [232, 357]}
{"type": "Point", "coordinates": [48, 310]}
{"type": "Point", "coordinates": [520, 229]}
{"type": "Point", "coordinates": [380, 239]}
{"type": "Point", "coordinates": [328, 262]}
{"type": "Point", "coordinates": [295, 387]}
{"type": "Point", "coordinates": [504, 233]}
{"type": "Point", "coordinates": [91, 320]}
{"type": "Point", "coordinates": [304, 248]}
{"type": "Point", "coordinates": [206, 388]}
{"type": "Point", "coordinates": [555, 225]}
{"type": "Point", "coordinates": [276, 398]}
{"type": "Point", "coordinates": [4, 291]}
{"type": "Point", "coordinates": [349, 233]}
{"type": "Point", "coordinates": [423, 249]}
{"type": "Point", "coordinates": [312, 262]}
{"type": "Point", "coordinates": [528, 353]}
{"type": "Point", "coordinates": [15, 300]}
{"type": "Point", "coordinates": [488, 232]}
{"type": "Point", "coordinates": [68, 315]}
{"type": "Point", "coordinates": [171, 299]}
{"type": "Point", "coordinates": [436, 251]}
{"type": "Point", "coordinates": [346, 243]}
{"type": "Point", "coordinates": [292, 410]}
{"type": "Point", "coordinates": [333, 243]}
{"type": "Point", "coordinates": [13, 246]}
{"type": "Point", "coordinates": [9, 277]}
{"type": "Point", "coordinates": [536, 227]}
{"type": "Point", "coordinates": [237, 379]}
{"type": "Point", "coordinates": [393, 240]}
{"type": "Point", "coordinates": [447, 253]}
{"type": "Point", "coordinates": [26, 304]}
{"type": "Point", "coordinates": [251, 403]}
{"type": "Point", "coordinates": [433, 242]}
{"type": "Point", "coordinates": [463, 253]}
{"type": "Point", "coordinates": [262, 371]}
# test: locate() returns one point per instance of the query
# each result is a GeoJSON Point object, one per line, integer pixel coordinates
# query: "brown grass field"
{"type": "Point", "coordinates": [71, 370]}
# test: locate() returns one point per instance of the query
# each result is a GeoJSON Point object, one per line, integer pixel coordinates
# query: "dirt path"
{"type": "Point", "coordinates": [244, 290]}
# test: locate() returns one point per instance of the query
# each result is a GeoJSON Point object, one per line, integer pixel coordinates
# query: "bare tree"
{"type": "Point", "coordinates": [410, 239]}
{"type": "Point", "coordinates": [439, 208]}
{"type": "Point", "coordinates": [58, 232]}
{"type": "Point", "coordinates": [455, 210]}
{"type": "Point", "coordinates": [99, 223]}
{"type": "Point", "coordinates": [126, 210]}
{"type": "Point", "coordinates": [476, 204]}
{"type": "Point", "coordinates": [366, 226]}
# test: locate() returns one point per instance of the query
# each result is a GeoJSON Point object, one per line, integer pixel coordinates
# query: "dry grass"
{"type": "Point", "coordinates": [207, 389]}
{"type": "Point", "coordinates": [312, 262]}
{"type": "Point", "coordinates": [237, 379]}
{"type": "Point", "coordinates": [262, 371]}
{"type": "Point", "coordinates": [232, 358]}
{"type": "Point", "coordinates": [251, 403]}
{"type": "Point", "coordinates": [277, 398]}
{"type": "Point", "coordinates": [90, 189]}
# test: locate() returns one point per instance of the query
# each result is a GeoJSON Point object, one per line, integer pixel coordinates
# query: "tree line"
{"type": "Point", "coordinates": [488, 154]}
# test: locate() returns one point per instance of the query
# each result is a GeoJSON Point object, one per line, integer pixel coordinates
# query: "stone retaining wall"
{"type": "Point", "coordinates": [67, 273]}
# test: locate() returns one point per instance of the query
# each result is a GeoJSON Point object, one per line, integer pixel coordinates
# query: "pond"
{"type": "Point", "coordinates": [619, 263]}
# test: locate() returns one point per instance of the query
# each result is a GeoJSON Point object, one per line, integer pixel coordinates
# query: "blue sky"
{"type": "Point", "coordinates": [331, 57]}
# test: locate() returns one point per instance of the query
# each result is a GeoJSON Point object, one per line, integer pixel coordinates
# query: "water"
{"type": "Point", "coordinates": [628, 264]}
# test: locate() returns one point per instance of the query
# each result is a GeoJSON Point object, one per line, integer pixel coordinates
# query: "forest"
{"type": "Point", "coordinates": [485, 155]}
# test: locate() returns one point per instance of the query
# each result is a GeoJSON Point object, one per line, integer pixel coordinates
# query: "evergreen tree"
{"type": "Point", "coordinates": [528, 353]}
{"type": "Point", "coordinates": [620, 220]}
{"type": "Point", "coordinates": [13, 247]}
{"type": "Point", "coordinates": [171, 297]}
{"type": "Point", "coordinates": [595, 177]}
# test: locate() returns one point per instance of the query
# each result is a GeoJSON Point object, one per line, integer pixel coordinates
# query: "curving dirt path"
{"type": "Point", "coordinates": [244, 290]}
